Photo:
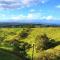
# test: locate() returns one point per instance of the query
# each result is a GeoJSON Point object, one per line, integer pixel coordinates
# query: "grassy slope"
{"type": "Point", "coordinates": [53, 33]}
{"type": "Point", "coordinates": [6, 55]}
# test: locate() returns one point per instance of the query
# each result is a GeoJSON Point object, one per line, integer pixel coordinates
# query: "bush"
{"type": "Point", "coordinates": [20, 49]}
{"type": "Point", "coordinates": [25, 33]}
{"type": "Point", "coordinates": [51, 54]}
{"type": "Point", "coordinates": [42, 42]}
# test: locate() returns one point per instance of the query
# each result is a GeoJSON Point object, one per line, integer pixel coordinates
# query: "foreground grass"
{"type": "Point", "coordinates": [7, 55]}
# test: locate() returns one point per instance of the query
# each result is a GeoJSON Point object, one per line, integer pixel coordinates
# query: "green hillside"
{"type": "Point", "coordinates": [28, 35]}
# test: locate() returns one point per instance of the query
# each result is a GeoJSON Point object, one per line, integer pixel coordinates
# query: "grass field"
{"type": "Point", "coordinates": [9, 34]}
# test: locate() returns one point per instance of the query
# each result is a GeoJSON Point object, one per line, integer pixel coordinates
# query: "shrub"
{"type": "Point", "coordinates": [20, 49]}
{"type": "Point", "coordinates": [42, 42]}
{"type": "Point", "coordinates": [25, 33]}
{"type": "Point", "coordinates": [51, 54]}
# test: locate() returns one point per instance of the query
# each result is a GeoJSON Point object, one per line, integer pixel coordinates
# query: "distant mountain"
{"type": "Point", "coordinates": [49, 22]}
{"type": "Point", "coordinates": [31, 22]}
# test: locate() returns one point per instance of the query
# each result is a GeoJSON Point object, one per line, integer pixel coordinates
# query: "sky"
{"type": "Point", "coordinates": [29, 10]}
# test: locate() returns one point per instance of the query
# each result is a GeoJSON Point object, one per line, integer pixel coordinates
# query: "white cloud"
{"type": "Point", "coordinates": [19, 3]}
{"type": "Point", "coordinates": [48, 17]}
{"type": "Point", "coordinates": [44, 1]}
{"type": "Point", "coordinates": [17, 18]}
{"type": "Point", "coordinates": [28, 17]}
{"type": "Point", "coordinates": [25, 2]}
{"type": "Point", "coordinates": [32, 10]}
{"type": "Point", "coordinates": [33, 15]}
{"type": "Point", "coordinates": [58, 6]}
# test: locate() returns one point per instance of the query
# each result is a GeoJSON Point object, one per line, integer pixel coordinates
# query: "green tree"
{"type": "Point", "coordinates": [42, 42]}
{"type": "Point", "coordinates": [20, 49]}
{"type": "Point", "coordinates": [24, 34]}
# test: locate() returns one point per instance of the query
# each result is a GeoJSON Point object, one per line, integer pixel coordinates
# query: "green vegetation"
{"type": "Point", "coordinates": [30, 43]}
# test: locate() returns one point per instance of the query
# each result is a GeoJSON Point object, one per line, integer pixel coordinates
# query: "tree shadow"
{"type": "Point", "coordinates": [7, 55]}
{"type": "Point", "coordinates": [53, 43]}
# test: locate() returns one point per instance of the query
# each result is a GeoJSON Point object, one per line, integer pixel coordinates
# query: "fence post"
{"type": "Point", "coordinates": [33, 52]}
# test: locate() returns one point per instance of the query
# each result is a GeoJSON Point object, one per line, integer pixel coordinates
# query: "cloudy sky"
{"type": "Point", "coordinates": [28, 10]}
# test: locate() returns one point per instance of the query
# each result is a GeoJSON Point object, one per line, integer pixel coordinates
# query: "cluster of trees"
{"type": "Point", "coordinates": [23, 25]}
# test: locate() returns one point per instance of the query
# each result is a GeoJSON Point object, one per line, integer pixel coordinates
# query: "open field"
{"type": "Point", "coordinates": [10, 34]}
